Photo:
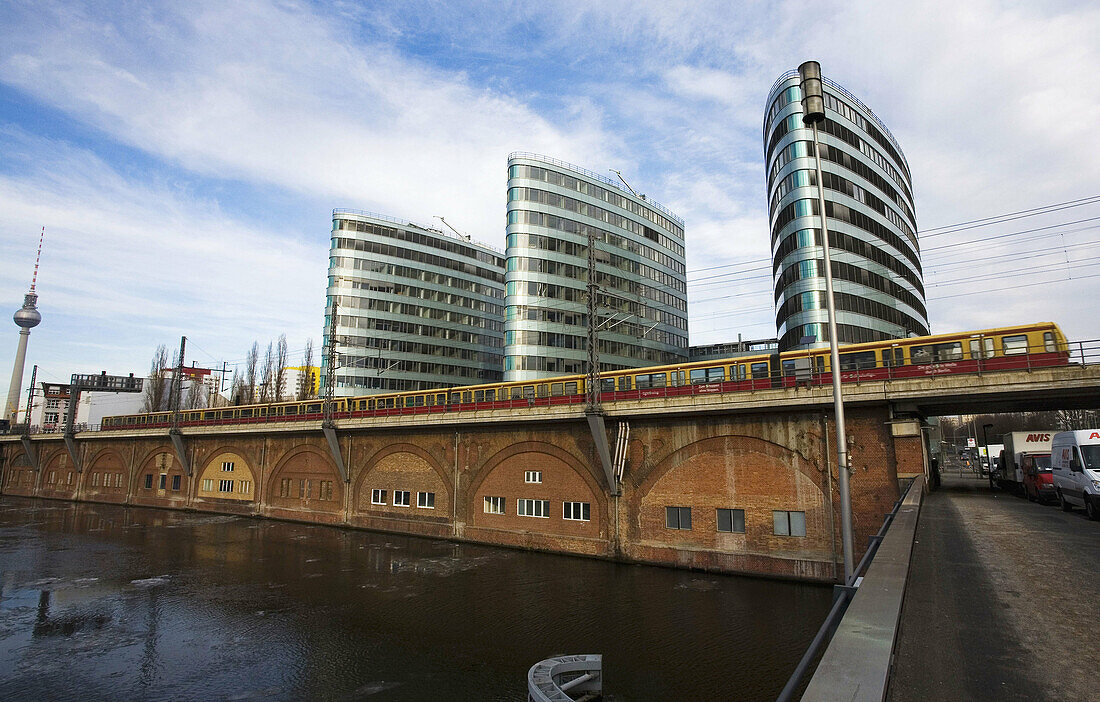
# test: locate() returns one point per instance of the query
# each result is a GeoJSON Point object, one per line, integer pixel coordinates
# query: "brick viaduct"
{"type": "Point", "coordinates": [756, 461]}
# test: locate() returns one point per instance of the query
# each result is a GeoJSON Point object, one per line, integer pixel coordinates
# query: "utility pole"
{"type": "Point", "coordinates": [30, 400]}
{"type": "Point", "coordinates": [592, 386]}
{"type": "Point", "coordinates": [177, 386]}
{"type": "Point", "coordinates": [813, 111]}
{"type": "Point", "coordinates": [330, 371]}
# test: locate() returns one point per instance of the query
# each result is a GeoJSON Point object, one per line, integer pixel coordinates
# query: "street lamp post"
{"type": "Point", "coordinates": [988, 456]}
{"type": "Point", "coordinates": [813, 111]}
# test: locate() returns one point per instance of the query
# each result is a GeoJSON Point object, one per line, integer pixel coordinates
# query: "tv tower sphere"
{"type": "Point", "coordinates": [28, 316]}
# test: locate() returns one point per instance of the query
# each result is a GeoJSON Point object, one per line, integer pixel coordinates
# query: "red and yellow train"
{"type": "Point", "coordinates": [1006, 348]}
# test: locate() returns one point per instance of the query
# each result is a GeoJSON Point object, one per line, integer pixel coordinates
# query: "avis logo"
{"type": "Point", "coordinates": [1041, 437]}
{"type": "Point", "coordinates": [1095, 435]}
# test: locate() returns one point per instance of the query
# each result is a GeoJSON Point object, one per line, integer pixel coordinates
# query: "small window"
{"type": "Point", "coordinates": [607, 385]}
{"type": "Point", "coordinates": [225, 486]}
{"type": "Point", "coordinates": [759, 370]}
{"type": "Point", "coordinates": [577, 511]}
{"type": "Point", "coordinates": [533, 508]}
{"type": "Point", "coordinates": [532, 476]}
{"type": "Point", "coordinates": [556, 389]}
{"type": "Point", "coordinates": [678, 517]}
{"type": "Point", "coordinates": [227, 467]}
{"type": "Point", "coordinates": [529, 391]}
{"type": "Point", "coordinates": [284, 487]}
{"type": "Point", "coordinates": [789, 523]}
{"type": "Point", "coordinates": [163, 481]}
{"type": "Point", "coordinates": [981, 348]}
{"type": "Point", "coordinates": [1014, 345]}
{"type": "Point", "coordinates": [401, 498]}
{"type": "Point", "coordinates": [494, 505]}
{"type": "Point", "coordinates": [95, 479]}
{"type": "Point", "coordinates": [515, 393]}
{"type": "Point", "coordinates": [1048, 342]}
{"type": "Point", "coordinates": [624, 382]}
{"type": "Point", "coordinates": [571, 388]}
{"type": "Point", "coordinates": [176, 482]}
{"type": "Point", "coordinates": [208, 484]}
{"type": "Point", "coordinates": [324, 489]}
{"type": "Point", "coordinates": [245, 486]}
{"type": "Point", "coordinates": [425, 500]}
{"type": "Point", "coordinates": [378, 497]}
{"type": "Point", "coordinates": [731, 521]}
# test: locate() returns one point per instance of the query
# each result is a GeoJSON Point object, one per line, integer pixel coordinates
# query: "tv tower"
{"type": "Point", "coordinates": [25, 318]}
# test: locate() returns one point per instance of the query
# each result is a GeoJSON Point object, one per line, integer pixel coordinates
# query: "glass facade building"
{"type": "Point", "coordinates": [553, 210]}
{"type": "Point", "coordinates": [877, 279]}
{"type": "Point", "coordinates": [416, 308]}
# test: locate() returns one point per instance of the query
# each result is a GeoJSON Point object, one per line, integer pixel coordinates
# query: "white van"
{"type": "Point", "coordinates": [1075, 462]}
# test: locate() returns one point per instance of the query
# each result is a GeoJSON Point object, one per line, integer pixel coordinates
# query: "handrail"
{"type": "Point", "coordinates": [787, 75]}
{"type": "Point", "coordinates": [550, 679]}
{"type": "Point", "coordinates": [596, 176]}
{"type": "Point", "coordinates": [407, 223]}
{"type": "Point", "coordinates": [843, 595]}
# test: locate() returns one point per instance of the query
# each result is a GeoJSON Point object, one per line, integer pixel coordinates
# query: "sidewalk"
{"type": "Point", "coordinates": [1002, 601]}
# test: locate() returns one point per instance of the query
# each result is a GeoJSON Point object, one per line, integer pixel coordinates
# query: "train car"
{"type": "Point", "coordinates": [1007, 348]}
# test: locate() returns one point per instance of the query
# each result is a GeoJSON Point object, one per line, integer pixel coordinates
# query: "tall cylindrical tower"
{"type": "Point", "coordinates": [877, 279]}
{"type": "Point", "coordinates": [26, 318]}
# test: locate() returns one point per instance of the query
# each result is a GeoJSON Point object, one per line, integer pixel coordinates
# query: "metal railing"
{"type": "Point", "coordinates": [562, 678]}
{"type": "Point", "coordinates": [406, 223]}
{"type": "Point", "coordinates": [842, 597]}
{"type": "Point", "coordinates": [596, 176]}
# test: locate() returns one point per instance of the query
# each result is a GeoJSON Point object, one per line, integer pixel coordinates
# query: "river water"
{"type": "Point", "coordinates": [101, 602]}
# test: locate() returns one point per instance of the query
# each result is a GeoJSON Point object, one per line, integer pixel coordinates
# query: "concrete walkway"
{"type": "Point", "coordinates": [1003, 601]}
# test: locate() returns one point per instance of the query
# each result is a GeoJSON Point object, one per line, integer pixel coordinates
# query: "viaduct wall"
{"type": "Point", "coordinates": [759, 463]}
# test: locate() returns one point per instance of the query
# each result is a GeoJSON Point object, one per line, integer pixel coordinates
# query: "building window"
{"type": "Point", "coordinates": [532, 476]}
{"type": "Point", "coordinates": [789, 523]}
{"type": "Point", "coordinates": [69, 480]}
{"type": "Point", "coordinates": [148, 481]}
{"type": "Point", "coordinates": [207, 484]}
{"type": "Point", "coordinates": [494, 505]}
{"type": "Point", "coordinates": [53, 477]}
{"type": "Point", "coordinates": [324, 489]}
{"type": "Point", "coordinates": [95, 479]}
{"type": "Point", "coordinates": [401, 498]}
{"type": "Point", "coordinates": [678, 517]}
{"type": "Point", "coordinates": [163, 481]}
{"type": "Point", "coordinates": [227, 466]}
{"type": "Point", "coordinates": [533, 508]}
{"type": "Point", "coordinates": [581, 511]}
{"type": "Point", "coordinates": [245, 486]}
{"type": "Point", "coordinates": [225, 486]}
{"type": "Point", "coordinates": [731, 520]}
{"type": "Point", "coordinates": [175, 481]}
{"type": "Point", "coordinates": [284, 487]}
{"type": "Point", "coordinates": [378, 497]}
{"type": "Point", "coordinates": [425, 500]}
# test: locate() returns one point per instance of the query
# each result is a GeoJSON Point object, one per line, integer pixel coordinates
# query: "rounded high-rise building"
{"type": "Point", "coordinates": [877, 279]}
{"type": "Point", "coordinates": [554, 208]}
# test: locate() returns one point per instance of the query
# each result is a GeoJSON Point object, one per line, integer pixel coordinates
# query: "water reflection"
{"type": "Point", "coordinates": [106, 602]}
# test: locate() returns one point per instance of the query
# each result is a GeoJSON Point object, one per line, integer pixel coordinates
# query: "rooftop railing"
{"type": "Point", "coordinates": [596, 176]}
{"type": "Point", "coordinates": [405, 223]}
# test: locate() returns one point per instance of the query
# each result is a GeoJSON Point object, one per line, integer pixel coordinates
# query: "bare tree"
{"type": "Point", "coordinates": [250, 371]}
{"type": "Point", "coordinates": [238, 390]}
{"type": "Point", "coordinates": [173, 388]}
{"type": "Point", "coordinates": [305, 385]}
{"type": "Point", "coordinates": [196, 395]}
{"type": "Point", "coordinates": [280, 368]}
{"type": "Point", "coordinates": [267, 383]}
{"type": "Point", "coordinates": [154, 388]}
{"type": "Point", "coordinates": [1078, 419]}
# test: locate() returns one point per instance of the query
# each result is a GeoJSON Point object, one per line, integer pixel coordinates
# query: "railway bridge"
{"type": "Point", "coordinates": [735, 482]}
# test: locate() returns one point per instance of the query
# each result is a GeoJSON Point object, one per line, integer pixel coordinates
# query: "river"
{"type": "Point", "coordinates": [102, 602]}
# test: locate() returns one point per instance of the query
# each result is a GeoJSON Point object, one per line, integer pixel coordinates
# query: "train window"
{"type": "Point", "coordinates": [454, 398]}
{"type": "Point", "coordinates": [607, 385]}
{"type": "Point", "coordinates": [556, 389]}
{"type": "Point", "coordinates": [981, 348]}
{"type": "Point", "coordinates": [261, 412]}
{"type": "Point", "coordinates": [937, 353]}
{"type": "Point", "coordinates": [466, 396]}
{"type": "Point", "coordinates": [528, 391]}
{"type": "Point", "coordinates": [130, 420]}
{"type": "Point", "coordinates": [1048, 341]}
{"type": "Point", "coordinates": [1014, 344]}
{"type": "Point", "coordinates": [313, 408]}
{"type": "Point", "coordinates": [571, 388]}
{"type": "Point", "coordinates": [479, 395]}
{"type": "Point", "coordinates": [737, 372]}
{"type": "Point", "coordinates": [515, 393]}
{"type": "Point", "coordinates": [707, 375]}
{"type": "Point", "coordinates": [543, 390]}
{"type": "Point", "coordinates": [624, 382]}
{"type": "Point", "coordinates": [208, 415]}
{"type": "Point", "coordinates": [290, 410]}
{"type": "Point", "coordinates": [369, 404]}
{"type": "Point", "coordinates": [490, 395]}
{"type": "Point", "coordinates": [893, 357]}
{"type": "Point", "coordinates": [759, 370]}
{"type": "Point", "coordinates": [860, 360]}
{"type": "Point", "coordinates": [246, 413]}
{"type": "Point", "coordinates": [651, 380]}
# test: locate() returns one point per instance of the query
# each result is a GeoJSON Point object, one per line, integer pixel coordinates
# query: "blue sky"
{"type": "Point", "coordinates": [185, 157]}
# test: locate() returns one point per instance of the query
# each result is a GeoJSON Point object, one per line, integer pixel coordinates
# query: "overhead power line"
{"type": "Point", "coordinates": [1007, 217]}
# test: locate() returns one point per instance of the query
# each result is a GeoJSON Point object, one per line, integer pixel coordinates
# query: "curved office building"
{"type": "Point", "coordinates": [877, 279]}
{"type": "Point", "coordinates": [553, 209]}
{"type": "Point", "coordinates": [416, 308]}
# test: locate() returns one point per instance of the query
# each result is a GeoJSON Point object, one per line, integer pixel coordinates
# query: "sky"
{"type": "Point", "coordinates": [184, 158]}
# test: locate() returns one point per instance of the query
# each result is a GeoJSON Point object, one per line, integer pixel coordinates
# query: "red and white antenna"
{"type": "Point", "coordinates": [37, 257]}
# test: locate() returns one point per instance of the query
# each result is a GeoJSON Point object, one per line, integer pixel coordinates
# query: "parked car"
{"type": "Point", "coordinates": [1075, 463]}
{"type": "Point", "coordinates": [1038, 478]}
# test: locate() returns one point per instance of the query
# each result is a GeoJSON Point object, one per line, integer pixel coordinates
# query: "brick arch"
{"type": "Point", "coordinates": [106, 476]}
{"type": "Point", "coordinates": [151, 464]}
{"type": "Point", "coordinates": [58, 475]}
{"type": "Point", "coordinates": [243, 476]}
{"type": "Point", "coordinates": [422, 473]}
{"type": "Point", "coordinates": [565, 477]}
{"type": "Point", "coordinates": [306, 467]}
{"type": "Point", "coordinates": [735, 472]}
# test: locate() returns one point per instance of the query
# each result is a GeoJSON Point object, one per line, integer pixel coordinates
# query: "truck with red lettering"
{"type": "Point", "coordinates": [1024, 467]}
